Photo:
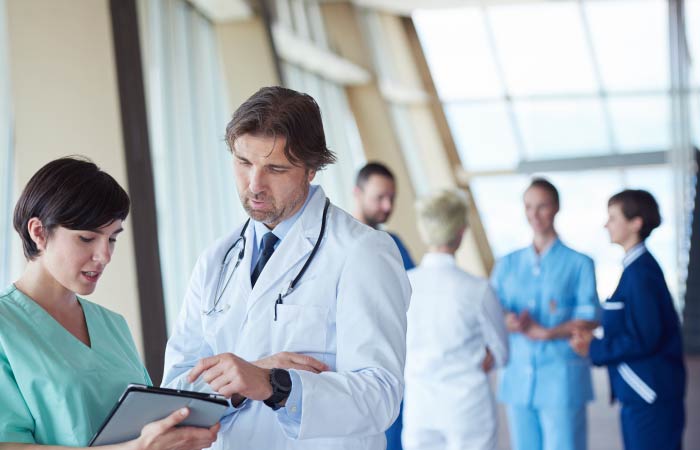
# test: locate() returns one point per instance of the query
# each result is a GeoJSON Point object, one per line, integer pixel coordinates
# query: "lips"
{"type": "Point", "coordinates": [257, 204]}
{"type": "Point", "coordinates": [91, 276]}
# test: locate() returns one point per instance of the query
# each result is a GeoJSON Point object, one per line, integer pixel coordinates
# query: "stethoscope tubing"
{"type": "Point", "coordinates": [241, 239]}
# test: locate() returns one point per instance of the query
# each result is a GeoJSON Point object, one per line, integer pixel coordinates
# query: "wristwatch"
{"type": "Point", "coordinates": [281, 384]}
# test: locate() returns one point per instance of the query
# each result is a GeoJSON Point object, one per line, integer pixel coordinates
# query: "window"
{"type": "Point", "coordinates": [537, 82]}
{"type": "Point", "coordinates": [195, 190]}
{"type": "Point", "coordinates": [601, 87]}
{"type": "Point", "coordinates": [342, 136]}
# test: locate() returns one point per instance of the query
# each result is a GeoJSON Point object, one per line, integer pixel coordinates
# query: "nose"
{"type": "Point", "coordinates": [103, 252]}
{"type": "Point", "coordinates": [387, 205]}
{"type": "Point", "coordinates": [256, 182]}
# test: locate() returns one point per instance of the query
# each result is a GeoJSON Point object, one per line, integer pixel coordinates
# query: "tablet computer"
{"type": "Point", "coordinates": [140, 405]}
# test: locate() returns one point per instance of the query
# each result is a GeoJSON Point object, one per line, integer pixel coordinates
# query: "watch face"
{"type": "Point", "coordinates": [282, 379]}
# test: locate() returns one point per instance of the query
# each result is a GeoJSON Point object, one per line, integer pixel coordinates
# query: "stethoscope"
{"type": "Point", "coordinates": [239, 244]}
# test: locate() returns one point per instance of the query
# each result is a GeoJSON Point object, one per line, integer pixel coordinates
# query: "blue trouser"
{"type": "Point", "coordinates": [551, 428]}
{"type": "Point", "coordinates": [652, 427]}
{"type": "Point", "coordinates": [393, 434]}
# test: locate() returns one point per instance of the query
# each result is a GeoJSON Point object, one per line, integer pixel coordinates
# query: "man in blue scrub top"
{"type": "Point", "coordinates": [375, 191]}
{"type": "Point", "coordinates": [547, 289]}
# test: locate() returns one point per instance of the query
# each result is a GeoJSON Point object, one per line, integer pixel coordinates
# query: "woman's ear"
{"type": "Point", "coordinates": [37, 233]}
{"type": "Point", "coordinates": [637, 223]}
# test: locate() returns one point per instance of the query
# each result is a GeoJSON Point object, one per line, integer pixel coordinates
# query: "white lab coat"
{"type": "Point", "coordinates": [453, 317]}
{"type": "Point", "coordinates": [348, 310]}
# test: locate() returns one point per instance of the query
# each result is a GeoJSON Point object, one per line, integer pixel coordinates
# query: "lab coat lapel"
{"type": "Point", "coordinates": [245, 269]}
{"type": "Point", "coordinates": [284, 264]}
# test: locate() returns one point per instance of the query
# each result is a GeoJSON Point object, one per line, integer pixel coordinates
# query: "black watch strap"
{"type": "Point", "coordinates": [281, 383]}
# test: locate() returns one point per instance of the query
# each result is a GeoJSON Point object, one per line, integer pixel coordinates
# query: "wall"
{"type": "Point", "coordinates": [65, 101]}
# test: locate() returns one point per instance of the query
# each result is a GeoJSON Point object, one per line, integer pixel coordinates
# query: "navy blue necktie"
{"type": "Point", "coordinates": [268, 247]}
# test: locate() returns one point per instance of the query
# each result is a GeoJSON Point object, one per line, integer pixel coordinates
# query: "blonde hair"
{"type": "Point", "coordinates": [442, 215]}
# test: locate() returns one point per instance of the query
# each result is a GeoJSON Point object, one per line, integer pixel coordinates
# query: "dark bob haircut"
{"type": "Point", "coordinates": [548, 187]}
{"type": "Point", "coordinates": [277, 112]}
{"type": "Point", "coordinates": [638, 203]}
{"type": "Point", "coordinates": [372, 168]}
{"type": "Point", "coordinates": [70, 192]}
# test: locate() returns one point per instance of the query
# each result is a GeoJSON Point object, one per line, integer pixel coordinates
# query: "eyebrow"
{"type": "Point", "coordinates": [98, 231]}
{"type": "Point", "coordinates": [279, 166]}
{"type": "Point", "coordinates": [272, 166]}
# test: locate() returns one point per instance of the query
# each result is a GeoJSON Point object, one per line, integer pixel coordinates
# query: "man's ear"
{"type": "Point", "coordinates": [310, 174]}
{"type": "Point", "coordinates": [37, 233]}
{"type": "Point", "coordinates": [356, 191]}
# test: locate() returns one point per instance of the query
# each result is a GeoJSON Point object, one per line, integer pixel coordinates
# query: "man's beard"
{"type": "Point", "coordinates": [275, 214]}
{"type": "Point", "coordinates": [374, 220]}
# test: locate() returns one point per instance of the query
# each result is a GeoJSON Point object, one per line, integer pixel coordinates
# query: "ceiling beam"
{"type": "Point", "coordinates": [220, 11]}
{"type": "Point", "coordinates": [302, 52]}
{"type": "Point", "coordinates": [594, 162]}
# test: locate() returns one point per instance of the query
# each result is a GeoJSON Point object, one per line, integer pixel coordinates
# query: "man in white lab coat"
{"type": "Point", "coordinates": [317, 366]}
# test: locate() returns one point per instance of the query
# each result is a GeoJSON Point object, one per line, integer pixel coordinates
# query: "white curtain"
{"type": "Point", "coordinates": [195, 190]}
{"type": "Point", "coordinates": [342, 136]}
{"type": "Point", "coordinates": [9, 250]}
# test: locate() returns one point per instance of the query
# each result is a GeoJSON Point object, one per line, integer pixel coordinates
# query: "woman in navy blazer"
{"type": "Point", "coordinates": [640, 340]}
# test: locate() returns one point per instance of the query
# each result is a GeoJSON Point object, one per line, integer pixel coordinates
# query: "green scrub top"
{"type": "Point", "coordinates": [54, 389]}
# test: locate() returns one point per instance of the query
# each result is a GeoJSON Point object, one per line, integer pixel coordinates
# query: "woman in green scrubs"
{"type": "Point", "coordinates": [64, 361]}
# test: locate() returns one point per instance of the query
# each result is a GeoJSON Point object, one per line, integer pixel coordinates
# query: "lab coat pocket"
{"type": "Point", "coordinates": [300, 329]}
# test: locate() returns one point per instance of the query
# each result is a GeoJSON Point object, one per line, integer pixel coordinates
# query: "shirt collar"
{"type": "Point", "coordinates": [438, 259]}
{"type": "Point", "coordinates": [633, 253]}
{"type": "Point", "coordinates": [282, 228]}
{"type": "Point", "coordinates": [539, 256]}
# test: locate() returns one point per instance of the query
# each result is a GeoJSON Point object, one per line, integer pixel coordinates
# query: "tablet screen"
{"type": "Point", "coordinates": [140, 405]}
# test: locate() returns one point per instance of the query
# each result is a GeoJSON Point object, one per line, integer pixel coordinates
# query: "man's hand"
{"type": "Point", "coordinates": [288, 360]}
{"type": "Point", "coordinates": [537, 332]}
{"type": "Point", "coordinates": [488, 362]}
{"type": "Point", "coordinates": [518, 323]}
{"type": "Point", "coordinates": [583, 325]}
{"type": "Point", "coordinates": [581, 341]}
{"type": "Point", "coordinates": [228, 374]}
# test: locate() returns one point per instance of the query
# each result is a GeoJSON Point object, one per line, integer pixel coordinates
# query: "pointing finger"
{"type": "Point", "coordinates": [201, 366]}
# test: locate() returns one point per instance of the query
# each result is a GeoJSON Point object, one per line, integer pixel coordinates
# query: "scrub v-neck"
{"type": "Point", "coordinates": [38, 311]}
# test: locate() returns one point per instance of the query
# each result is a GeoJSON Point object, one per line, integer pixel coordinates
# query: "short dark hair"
{"type": "Point", "coordinates": [638, 203]}
{"type": "Point", "coordinates": [372, 168]}
{"type": "Point", "coordinates": [547, 186]}
{"type": "Point", "coordinates": [280, 112]}
{"type": "Point", "coordinates": [70, 192]}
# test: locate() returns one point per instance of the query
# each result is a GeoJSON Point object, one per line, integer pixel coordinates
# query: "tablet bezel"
{"type": "Point", "coordinates": [212, 398]}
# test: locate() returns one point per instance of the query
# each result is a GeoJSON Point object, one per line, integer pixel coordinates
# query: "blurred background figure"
{"type": "Point", "coordinates": [374, 194]}
{"type": "Point", "coordinates": [456, 334]}
{"type": "Point", "coordinates": [641, 340]}
{"type": "Point", "coordinates": [547, 289]}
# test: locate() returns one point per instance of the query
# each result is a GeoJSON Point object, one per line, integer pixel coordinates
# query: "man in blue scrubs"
{"type": "Point", "coordinates": [547, 289]}
{"type": "Point", "coordinates": [374, 192]}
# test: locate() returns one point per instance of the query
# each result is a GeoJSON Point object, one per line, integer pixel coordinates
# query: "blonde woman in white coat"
{"type": "Point", "coordinates": [456, 335]}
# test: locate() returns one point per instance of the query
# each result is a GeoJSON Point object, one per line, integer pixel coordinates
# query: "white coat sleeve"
{"type": "Point", "coordinates": [492, 321]}
{"type": "Point", "coordinates": [187, 345]}
{"type": "Point", "coordinates": [363, 396]}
